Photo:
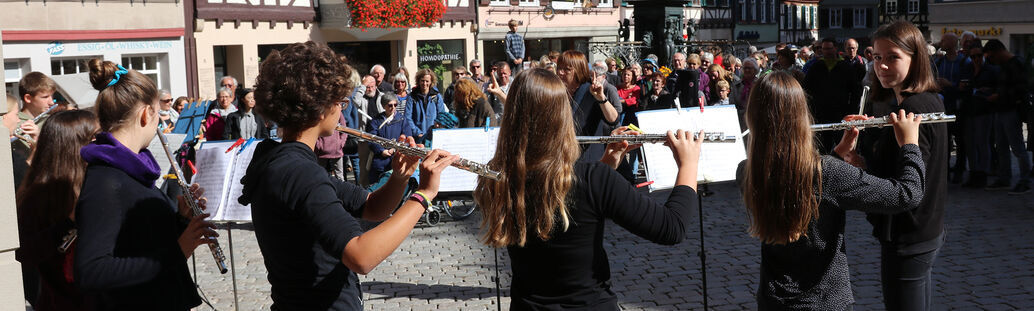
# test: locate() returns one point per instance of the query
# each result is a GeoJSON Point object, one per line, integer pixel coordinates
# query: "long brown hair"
{"type": "Point", "coordinates": [51, 185]}
{"type": "Point", "coordinates": [115, 103]}
{"type": "Point", "coordinates": [782, 170]}
{"type": "Point", "coordinates": [909, 39]}
{"type": "Point", "coordinates": [537, 166]}
{"type": "Point", "coordinates": [467, 92]}
{"type": "Point", "coordinates": [580, 72]}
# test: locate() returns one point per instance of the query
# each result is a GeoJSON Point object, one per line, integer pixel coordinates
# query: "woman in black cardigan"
{"type": "Point", "coordinates": [910, 240]}
{"type": "Point", "coordinates": [132, 247]}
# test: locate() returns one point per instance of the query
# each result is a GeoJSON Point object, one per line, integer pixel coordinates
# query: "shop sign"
{"type": "Point", "coordinates": [439, 57]}
{"type": "Point", "coordinates": [55, 48]}
{"type": "Point", "coordinates": [991, 32]}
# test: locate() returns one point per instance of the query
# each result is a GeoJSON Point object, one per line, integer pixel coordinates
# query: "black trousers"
{"type": "Point", "coordinates": [907, 282]}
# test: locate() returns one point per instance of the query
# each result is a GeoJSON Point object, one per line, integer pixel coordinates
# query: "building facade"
{"type": "Point", "coordinates": [49, 41]}
{"type": "Point", "coordinates": [757, 22]}
{"type": "Point", "coordinates": [548, 25]}
{"type": "Point", "coordinates": [715, 21]}
{"type": "Point", "coordinates": [1013, 22]}
{"type": "Point", "coordinates": [11, 293]}
{"type": "Point", "coordinates": [844, 19]}
{"type": "Point", "coordinates": [798, 21]}
{"type": "Point", "coordinates": [914, 11]}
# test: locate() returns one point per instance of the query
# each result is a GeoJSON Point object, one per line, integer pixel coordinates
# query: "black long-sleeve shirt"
{"type": "Point", "coordinates": [812, 272]}
{"type": "Point", "coordinates": [570, 270]}
{"type": "Point", "coordinates": [127, 255]}
{"type": "Point", "coordinates": [918, 230]}
{"type": "Point", "coordinates": [303, 219]}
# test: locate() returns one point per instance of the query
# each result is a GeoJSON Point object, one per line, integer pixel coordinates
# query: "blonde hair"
{"type": "Point", "coordinates": [782, 174]}
{"type": "Point", "coordinates": [467, 92]}
{"type": "Point", "coordinates": [537, 167]}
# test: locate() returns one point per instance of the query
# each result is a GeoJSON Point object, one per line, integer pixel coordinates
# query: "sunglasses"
{"type": "Point", "coordinates": [391, 105]}
{"type": "Point", "coordinates": [166, 100]}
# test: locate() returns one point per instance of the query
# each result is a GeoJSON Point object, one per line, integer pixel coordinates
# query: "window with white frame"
{"type": "Point", "coordinates": [814, 17]}
{"type": "Point", "coordinates": [764, 17]}
{"type": "Point", "coordinates": [743, 10]}
{"type": "Point", "coordinates": [913, 6]}
{"type": "Point", "coordinates": [860, 20]}
{"type": "Point", "coordinates": [149, 65]}
{"type": "Point", "coordinates": [836, 18]}
{"type": "Point", "coordinates": [499, 2]}
{"type": "Point", "coordinates": [528, 3]}
{"type": "Point", "coordinates": [798, 9]}
{"type": "Point", "coordinates": [69, 66]}
{"type": "Point", "coordinates": [12, 71]}
{"type": "Point", "coordinates": [754, 10]}
{"type": "Point", "coordinates": [892, 7]}
{"type": "Point", "coordinates": [602, 4]}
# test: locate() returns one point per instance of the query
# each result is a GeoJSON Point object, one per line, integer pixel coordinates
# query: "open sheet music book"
{"type": "Point", "coordinates": [475, 144]}
{"type": "Point", "coordinates": [220, 173]}
{"type": "Point", "coordinates": [718, 161]}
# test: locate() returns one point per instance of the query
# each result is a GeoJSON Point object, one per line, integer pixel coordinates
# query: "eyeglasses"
{"type": "Point", "coordinates": [166, 100]}
{"type": "Point", "coordinates": [475, 66]}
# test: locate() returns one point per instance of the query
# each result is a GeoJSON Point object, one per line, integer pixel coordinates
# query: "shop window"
{"type": "Point", "coordinates": [69, 66]}
{"type": "Point", "coordinates": [440, 56]}
{"type": "Point", "coordinates": [148, 65]}
{"type": "Point", "coordinates": [12, 71]}
{"type": "Point", "coordinates": [913, 6]}
{"type": "Point", "coordinates": [892, 7]}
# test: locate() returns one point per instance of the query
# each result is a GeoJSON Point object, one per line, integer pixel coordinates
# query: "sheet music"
{"type": "Point", "coordinates": [473, 144]}
{"type": "Point", "coordinates": [212, 164]}
{"type": "Point", "coordinates": [718, 161]}
{"type": "Point", "coordinates": [232, 209]}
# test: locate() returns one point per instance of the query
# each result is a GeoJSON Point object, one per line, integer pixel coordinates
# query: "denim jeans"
{"type": "Point", "coordinates": [1009, 135]}
{"type": "Point", "coordinates": [979, 137]}
{"type": "Point", "coordinates": [355, 167]}
{"type": "Point", "coordinates": [907, 282]}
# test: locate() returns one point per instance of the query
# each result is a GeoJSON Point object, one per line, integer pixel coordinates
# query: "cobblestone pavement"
{"type": "Point", "coordinates": [986, 263]}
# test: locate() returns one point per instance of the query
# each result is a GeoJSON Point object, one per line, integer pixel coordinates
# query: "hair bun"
{"type": "Point", "coordinates": [101, 73]}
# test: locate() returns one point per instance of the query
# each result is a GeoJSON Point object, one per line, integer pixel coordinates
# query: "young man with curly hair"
{"type": "Point", "coordinates": [306, 222]}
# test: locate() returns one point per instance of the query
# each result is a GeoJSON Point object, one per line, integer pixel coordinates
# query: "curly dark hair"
{"type": "Point", "coordinates": [297, 84]}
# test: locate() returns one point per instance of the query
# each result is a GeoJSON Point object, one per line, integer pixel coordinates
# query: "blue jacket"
{"type": "Point", "coordinates": [423, 110]}
{"type": "Point", "coordinates": [397, 126]}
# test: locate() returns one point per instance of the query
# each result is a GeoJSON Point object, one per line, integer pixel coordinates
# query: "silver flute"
{"type": "Point", "coordinates": [217, 251]}
{"type": "Point", "coordinates": [709, 137]}
{"type": "Point", "coordinates": [463, 164]}
{"type": "Point", "coordinates": [20, 134]}
{"type": "Point", "coordinates": [935, 117]}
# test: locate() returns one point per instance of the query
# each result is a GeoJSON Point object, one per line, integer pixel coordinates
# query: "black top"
{"type": "Point", "coordinates": [127, 255]}
{"type": "Point", "coordinates": [233, 126]}
{"type": "Point", "coordinates": [303, 220]}
{"type": "Point", "coordinates": [915, 231]}
{"type": "Point", "coordinates": [476, 116]}
{"type": "Point", "coordinates": [570, 271]}
{"type": "Point", "coordinates": [1012, 85]}
{"type": "Point", "coordinates": [812, 272]}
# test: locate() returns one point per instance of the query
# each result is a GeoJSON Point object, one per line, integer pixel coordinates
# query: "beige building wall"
{"type": "Point", "coordinates": [242, 43]}
{"type": "Point", "coordinates": [90, 15]}
{"type": "Point", "coordinates": [11, 296]}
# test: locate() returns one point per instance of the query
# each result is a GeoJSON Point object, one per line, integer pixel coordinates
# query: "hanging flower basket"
{"type": "Point", "coordinates": [395, 13]}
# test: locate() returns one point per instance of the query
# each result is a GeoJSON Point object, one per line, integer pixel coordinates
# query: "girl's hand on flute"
{"type": "Point", "coordinates": [615, 151]}
{"type": "Point", "coordinates": [906, 127]}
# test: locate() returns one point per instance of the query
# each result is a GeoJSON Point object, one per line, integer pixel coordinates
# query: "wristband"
{"type": "Point", "coordinates": [600, 102]}
{"type": "Point", "coordinates": [420, 198]}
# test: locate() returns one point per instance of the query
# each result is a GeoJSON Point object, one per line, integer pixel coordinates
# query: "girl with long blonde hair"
{"type": "Point", "coordinates": [796, 199]}
{"type": "Point", "coordinates": [549, 211]}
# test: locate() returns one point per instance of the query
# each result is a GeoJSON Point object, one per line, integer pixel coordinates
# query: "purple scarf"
{"type": "Point", "coordinates": [106, 150]}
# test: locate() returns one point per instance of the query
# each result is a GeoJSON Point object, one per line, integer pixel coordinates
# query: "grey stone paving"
{"type": "Point", "coordinates": [986, 263]}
